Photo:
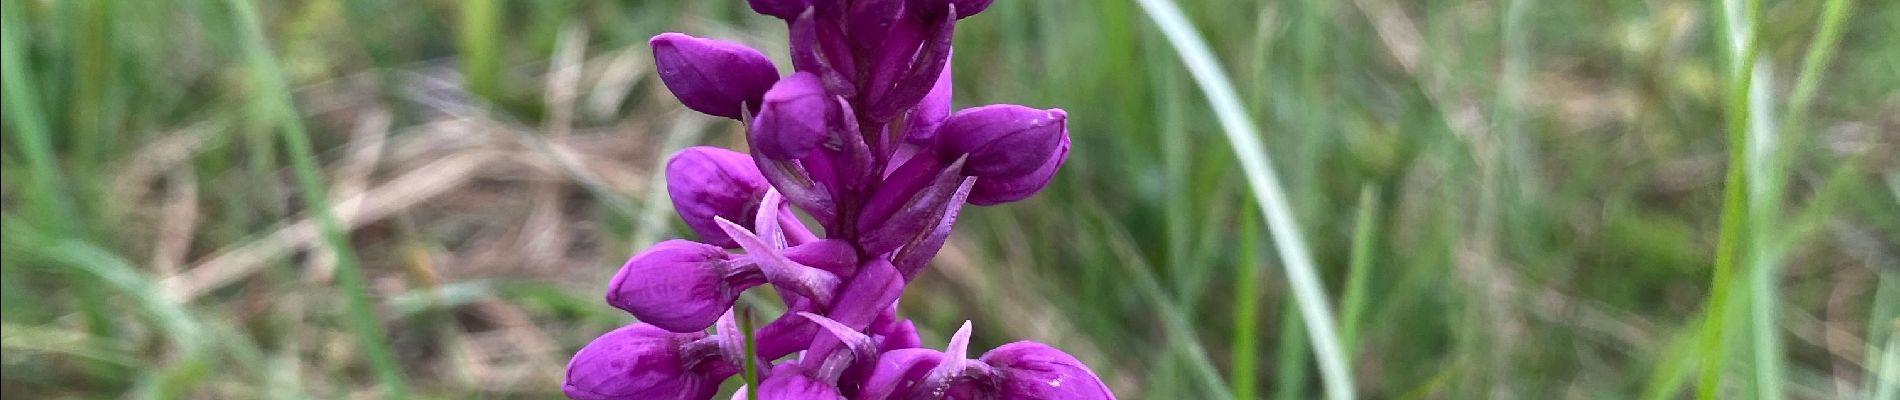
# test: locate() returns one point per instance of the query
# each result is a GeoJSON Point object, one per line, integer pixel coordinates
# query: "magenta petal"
{"type": "Point", "coordinates": [784, 273]}
{"type": "Point", "coordinates": [898, 189]}
{"type": "Point", "coordinates": [712, 76]}
{"type": "Point", "coordinates": [638, 361]}
{"type": "Point", "coordinates": [897, 371]}
{"type": "Point", "coordinates": [915, 254]}
{"type": "Point", "coordinates": [998, 191]}
{"type": "Point", "coordinates": [784, 9]}
{"type": "Point", "coordinates": [794, 118]}
{"type": "Point", "coordinates": [929, 114]}
{"type": "Point", "coordinates": [1004, 141]}
{"type": "Point", "coordinates": [917, 80]}
{"type": "Point", "coordinates": [677, 285]}
{"type": "Point", "coordinates": [1030, 370]}
{"type": "Point", "coordinates": [832, 255]}
{"type": "Point", "coordinates": [786, 382]}
{"type": "Point", "coordinates": [707, 182]}
{"type": "Point", "coordinates": [937, 8]}
{"type": "Point", "coordinates": [916, 215]}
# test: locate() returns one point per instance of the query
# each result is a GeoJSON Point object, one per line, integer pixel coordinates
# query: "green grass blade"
{"type": "Point", "coordinates": [1246, 310]}
{"type": "Point", "coordinates": [276, 104]}
{"type": "Point", "coordinates": [26, 120]}
{"type": "Point", "coordinates": [1737, 20]}
{"type": "Point", "coordinates": [1289, 378]}
{"type": "Point", "coordinates": [1359, 273]}
{"type": "Point", "coordinates": [481, 47]}
{"type": "Point", "coordinates": [1245, 139]}
{"type": "Point", "coordinates": [1814, 64]}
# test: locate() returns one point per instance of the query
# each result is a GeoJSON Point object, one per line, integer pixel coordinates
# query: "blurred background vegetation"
{"type": "Point", "coordinates": [1505, 198]}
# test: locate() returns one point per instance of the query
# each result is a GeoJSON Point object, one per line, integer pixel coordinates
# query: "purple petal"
{"type": "Point", "coordinates": [707, 182]}
{"type": "Point", "coordinates": [912, 258]}
{"type": "Point", "coordinates": [832, 255]}
{"type": "Point", "coordinates": [997, 191]}
{"type": "Point", "coordinates": [920, 77]}
{"type": "Point", "coordinates": [1030, 370]}
{"type": "Point", "coordinates": [712, 76]}
{"type": "Point", "coordinates": [640, 361]}
{"type": "Point", "coordinates": [897, 371]}
{"type": "Point", "coordinates": [1003, 140]}
{"type": "Point", "coordinates": [900, 187]}
{"type": "Point", "coordinates": [875, 287]}
{"type": "Point", "coordinates": [677, 285]}
{"type": "Point", "coordinates": [787, 383]}
{"type": "Point", "coordinates": [783, 272]}
{"type": "Point", "coordinates": [924, 119]}
{"type": "Point", "coordinates": [819, 47]}
{"type": "Point", "coordinates": [863, 349]}
{"type": "Point", "coordinates": [916, 212]}
{"type": "Point", "coordinates": [801, 186]}
{"type": "Point", "coordinates": [937, 8]}
{"type": "Point", "coordinates": [794, 118]}
{"type": "Point", "coordinates": [955, 356]}
{"type": "Point", "coordinates": [784, 9]}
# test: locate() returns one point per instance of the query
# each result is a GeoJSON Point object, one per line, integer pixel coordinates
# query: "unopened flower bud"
{"type": "Point", "coordinates": [680, 285]}
{"type": "Point", "coordinates": [707, 182]}
{"type": "Point", "coordinates": [712, 76]}
{"type": "Point", "coordinates": [794, 118]}
{"type": "Point", "coordinates": [642, 361]}
{"type": "Point", "coordinates": [1030, 370]}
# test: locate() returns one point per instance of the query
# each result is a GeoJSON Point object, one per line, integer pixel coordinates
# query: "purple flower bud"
{"type": "Point", "coordinates": [707, 182]}
{"type": "Point", "coordinates": [937, 8]}
{"type": "Point", "coordinates": [679, 285]}
{"type": "Point", "coordinates": [1030, 370]}
{"type": "Point", "coordinates": [794, 118]}
{"type": "Point", "coordinates": [999, 191]}
{"type": "Point", "coordinates": [1003, 140]}
{"type": "Point", "coordinates": [642, 361]}
{"type": "Point", "coordinates": [712, 76]}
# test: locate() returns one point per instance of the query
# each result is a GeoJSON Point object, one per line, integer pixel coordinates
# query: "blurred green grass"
{"type": "Point", "coordinates": [1506, 199]}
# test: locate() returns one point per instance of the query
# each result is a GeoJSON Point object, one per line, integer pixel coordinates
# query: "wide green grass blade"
{"type": "Point", "coordinates": [1267, 192]}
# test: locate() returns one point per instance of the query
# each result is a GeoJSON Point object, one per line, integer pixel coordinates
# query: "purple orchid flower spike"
{"type": "Point", "coordinates": [715, 77]}
{"type": "Point", "coordinates": [642, 361]}
{"type": "Point", "coordinates": [710, 182]}
{"type": "Point", "coordinates": [861, 141]}
{"type": "Point", "coordinates": [681, 286]}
